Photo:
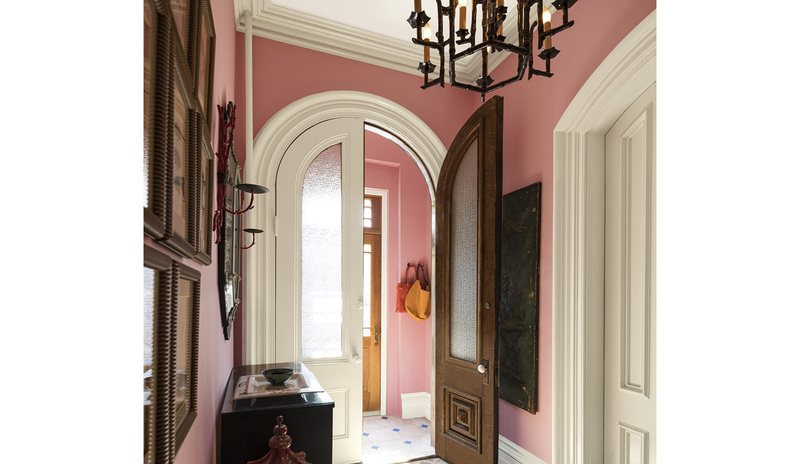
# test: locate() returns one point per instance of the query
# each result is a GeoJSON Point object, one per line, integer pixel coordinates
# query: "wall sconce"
{"type": "Point", "coordinates": [228, 176]}
{"type": "Point", "coordinates": [228, 218]}
{"type": "Point", "coordinates": [254, 232]}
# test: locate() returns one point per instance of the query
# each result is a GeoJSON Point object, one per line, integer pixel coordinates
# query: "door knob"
{"type": "Point", "coordinates": [357, 358]}
{"type": "Point", "coordinates": [481, 368]}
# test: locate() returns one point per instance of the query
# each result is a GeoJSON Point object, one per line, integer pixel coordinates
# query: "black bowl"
{"type": "Point", "coordinates": [277, 377]}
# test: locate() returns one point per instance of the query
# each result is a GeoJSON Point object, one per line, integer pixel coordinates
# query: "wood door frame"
{"type": "Point", "coordinates": [578, 242]}
{"type": "Point", "coordinates": [384, 195]}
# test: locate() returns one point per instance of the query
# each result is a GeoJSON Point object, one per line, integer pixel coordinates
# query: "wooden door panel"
{"type": "Point", "coordinates": [468, 200]}
{"type": "Point", "coordinates": [372, 340]}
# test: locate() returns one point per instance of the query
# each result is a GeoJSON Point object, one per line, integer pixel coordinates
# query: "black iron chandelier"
{"type": "Point", "coordinates": [533, 40]}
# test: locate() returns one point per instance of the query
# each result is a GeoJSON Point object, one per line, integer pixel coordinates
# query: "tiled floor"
{"type": "Point", "coordinates": [390, 440]}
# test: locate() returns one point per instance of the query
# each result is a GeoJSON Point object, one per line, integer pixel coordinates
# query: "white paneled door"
{"type": "Point", "coordinates": [630, 289]}
{"type": "Point", "coordinates": [319, 268]}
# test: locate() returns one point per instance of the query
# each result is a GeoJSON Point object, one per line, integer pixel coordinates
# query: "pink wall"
{"type": "Point", "coordinates": [216, 354]}
{"type": "Point", "coordinates": [531, 111]}
{"type": "Point", "coordinates": [284, 73]}
{"type": "Point", "coordinates": [408, 209]}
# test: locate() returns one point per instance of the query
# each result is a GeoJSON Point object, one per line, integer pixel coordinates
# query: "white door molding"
{"type": "Point", "coordinates": [578, 242]}
{"type": "Point", "coordinates": [270, 145]}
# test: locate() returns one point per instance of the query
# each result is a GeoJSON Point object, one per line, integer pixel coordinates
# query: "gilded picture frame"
{"type": "Point", "coordinates": [170, 354]}
{"type": "Point", "coordinates": [157, 49]}
{"type": "Point", "coordinates": [201, 61]}
{"type": "Point", "coordinates": [181, 151]}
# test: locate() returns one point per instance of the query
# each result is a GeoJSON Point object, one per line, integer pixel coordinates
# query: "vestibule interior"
{"type": "Point", "coordinates": [407, 341]}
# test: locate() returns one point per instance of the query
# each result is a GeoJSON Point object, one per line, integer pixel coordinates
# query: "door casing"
{"type": "Point", "coordinates": [578, 246]}
{"type": "Point", "coordinates": [384, 195]}
{"type": "Point", "coordinates": [423, 145]}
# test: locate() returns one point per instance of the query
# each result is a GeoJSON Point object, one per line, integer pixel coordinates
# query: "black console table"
{"type": "Point", "coordinates": [246, 424]}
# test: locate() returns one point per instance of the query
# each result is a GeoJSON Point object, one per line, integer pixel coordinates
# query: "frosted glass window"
{"type": "Point", "coordinates": [321, 244]}
{"type": "Point", "coordinates": [464, 258]}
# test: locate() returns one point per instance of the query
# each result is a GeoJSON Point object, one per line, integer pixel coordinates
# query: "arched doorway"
{"type": "Point", "coordinates": [260, 317]}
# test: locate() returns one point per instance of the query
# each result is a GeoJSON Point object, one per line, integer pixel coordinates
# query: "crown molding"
{"type": "Point", "coordinates": [282, 24]}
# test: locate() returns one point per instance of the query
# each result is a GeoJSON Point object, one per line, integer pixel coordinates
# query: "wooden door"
{"type": "Point", "coordinates": [630, 286]}
{"type": "Point", "coordinates": [468, 219]}
{"type": "Point", "coordinates": [319, 258]}
{"type": "Point", "coordinates": [371, 327]}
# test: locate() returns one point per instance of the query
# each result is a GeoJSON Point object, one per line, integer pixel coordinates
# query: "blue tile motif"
{"type": "Point", "coordinates": [384, 417]}
{"type": "Point", "coordinates": [407, 442]}
{"type": "Point", "coordinates": [366, 434]}
{"type": "Point", "coordinates": [395, 430]}
{"type": "Point", "coordinates": [375, 447]}
{"type": "Point", "coordinates": [424, 426]}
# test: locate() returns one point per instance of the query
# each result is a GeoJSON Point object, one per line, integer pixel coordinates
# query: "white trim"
{"type": "Point", "coordinates": [416, 405]}
{"type": "Point", "coordinates": [285, 25]}
{"type": "Point", "coordinates": [509, 452]}
{"type": "Point", "coordinates": [578, 152]}
{"type": "Point", "coordinates": [384, 194]}
{"type": "Point", "coordinates": [270, 145]}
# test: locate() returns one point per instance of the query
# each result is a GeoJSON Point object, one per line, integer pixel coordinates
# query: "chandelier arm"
{"type": "Point", "coordinates": [558, 29]}
{"type": "Point", "coordinates": [451, 42]}
{"type": "Point", "coordinates": [539, 8]}
{"type": "Point", "coordinates": [438, 80]}
{"type": "Point", "coordinates": [491, 43]}
{"type": "Point", "coordinates": [522, 25]}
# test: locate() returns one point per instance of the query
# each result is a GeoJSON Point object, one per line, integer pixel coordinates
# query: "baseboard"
{"type": "Point", "coordinates": [509, 452]}
{"type": "Point", "coordinates": [416, 405]}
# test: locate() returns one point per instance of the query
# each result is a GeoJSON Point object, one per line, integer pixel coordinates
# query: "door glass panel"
{"type": "Point", "coordinates": [321, 244]}
{"type": "Point", "coordinates": [367, 289]}
{"type": "Point", "coordinates": [464, 258]}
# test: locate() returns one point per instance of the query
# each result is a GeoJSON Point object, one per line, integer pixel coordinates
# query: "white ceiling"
{"type": "Point", "coordinates": [371, 31]}
{"type": "Point", "coordinates": [386, 17]}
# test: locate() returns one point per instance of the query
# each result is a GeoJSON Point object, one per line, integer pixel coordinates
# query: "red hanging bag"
{"type": "Point", "coordinates": [402, 290]}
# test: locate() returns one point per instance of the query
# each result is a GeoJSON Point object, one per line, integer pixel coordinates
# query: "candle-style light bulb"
{"type": "Point", "coordinates": [426, 36]}
{"type": "Point", "coordinates": [462, 14]}
{"type": "Point", "coordinates": [548, 41]}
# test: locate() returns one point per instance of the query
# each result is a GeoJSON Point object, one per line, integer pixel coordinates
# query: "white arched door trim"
{"type": "Point", "coordinates": [269, 146]}
{"type": "Point", "coordinates": [578, 192]}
